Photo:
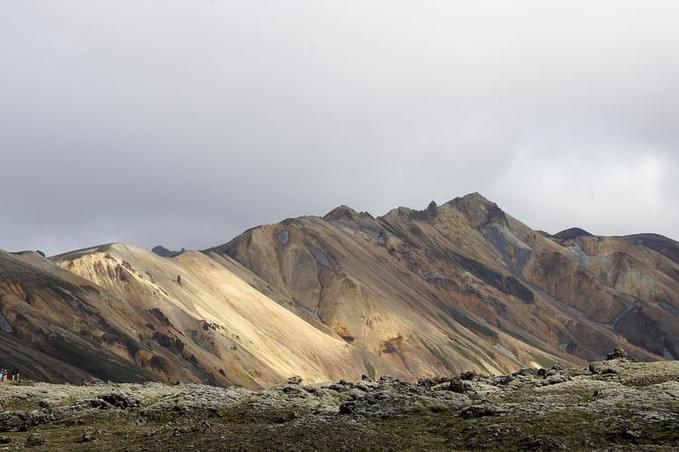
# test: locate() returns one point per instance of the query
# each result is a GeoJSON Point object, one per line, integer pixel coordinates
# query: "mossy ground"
{"type": "Point", "coordinates": [575, 429]}
{"type": "Point", "coordinates": [620, 411]}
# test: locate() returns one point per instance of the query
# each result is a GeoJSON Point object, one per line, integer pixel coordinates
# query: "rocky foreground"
{"type": "Point", "coordinates": [615, 404]}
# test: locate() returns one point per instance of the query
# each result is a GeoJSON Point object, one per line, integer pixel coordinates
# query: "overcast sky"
{"type": "Point", "coordinates": [186, 122]}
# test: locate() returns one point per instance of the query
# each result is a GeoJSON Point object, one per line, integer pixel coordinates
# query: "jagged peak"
{"type": "Point", "coordinates": [475, 196]}
{"type": "Point", "coordinates": [345, 212]}
{"type": "Point", "coordinates": [340, 213]}
{"type": "Point", "coordinates": [478, 209]}
{"type": "Point", "coordinates": [475, 199]}
{"type": "Point", "coordinates": [399, 211]}
{"type": "Point", "coordinates": [427, 214]}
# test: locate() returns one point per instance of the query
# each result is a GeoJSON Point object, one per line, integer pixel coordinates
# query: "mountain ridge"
{"type": "Point", "coordinates": [412, 293]}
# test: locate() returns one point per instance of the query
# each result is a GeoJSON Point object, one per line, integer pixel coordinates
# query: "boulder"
{"type": "Point", "coordinates": [87, 435]}
{"type": "Point", "coordinates": [347, 408]}
{"type": "Point", "coordinates": [459, 386]}
{"type": "Point", "coordinates": [120, 400]}
{"type": "Point", "coordinates": [16, 421]}
{"type": "Point", "coordinates": [601, 368]}
{"type": "Point", "coordinates": [476, 411]}
{"type": "Point", "coordinates": [617, 353]}
{"type": "Point", "coordinates": [35, 440]}
{"type": "Point", "coordinates": [296, 380]}
{"type": "Point", "coordinates": [541, 442]}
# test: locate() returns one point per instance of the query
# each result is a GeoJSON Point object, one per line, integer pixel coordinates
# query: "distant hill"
{"type": "Point", "coordinates": [663, 245]}
{"type": "Point", "coordinates": [571, 234]}
{"type": "Point", "coordinates": [164, 252]}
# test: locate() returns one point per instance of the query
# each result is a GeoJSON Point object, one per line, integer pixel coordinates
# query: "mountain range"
{"type": "Point", "coordinates": [411, 294]}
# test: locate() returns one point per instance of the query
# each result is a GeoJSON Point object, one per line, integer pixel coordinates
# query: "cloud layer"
{"type": "Point", "coordinates": [183, 123]}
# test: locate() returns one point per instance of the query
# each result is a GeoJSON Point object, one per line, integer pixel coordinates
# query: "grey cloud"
{"type": "Point", "coordinates": [184, 123]}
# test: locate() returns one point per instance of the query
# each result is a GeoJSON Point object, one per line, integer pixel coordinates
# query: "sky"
{"type": "Point", "coordinates": [183, 123]}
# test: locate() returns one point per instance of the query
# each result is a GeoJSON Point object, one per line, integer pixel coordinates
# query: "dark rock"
{"type": "Point", "coordinates": [554, 370]}
{"type": "Point", "coordinates": [87, 435]}
{"type": "Point", "coordinates": [601, 368]}
{"type": "Point", "coordinates": [540, 442]}
{"type": "Point", "coordinates": [470, 375]}
{"type": "Point", "coordinates": [94, 403]}
{"type": "Point", "coordinates": [347, 408]}
{"type": "Point", "coordinates": [617, 353]}
{"type": "Point", "coordinates": [35, 440]}
{"type": "Point", "coordinates": [120, 400]}
{"type": "Point", "coordinates": [431, 382]}
{"type": "Point", "coordinates": [501, 431]}
{"type": "Point", "coordinates": [432, 209]}
{"type": "Point", "coordinates": [527, 372]}
{"type": "Point", "coordinates": [164, 252]}
{"type": "Point", "coordinates": [556, 379]}
{"type": "Point", "coordinates": [13, 421]}
{"type": "Point", "coordinates": [169, 342]}
{"type": "Point", "coordinates": [92, 381]}
{"type": "Point", "coordinates": [631, 433]}
{"type": "Point", "coordinates": [476, 411]}
{"type": "Point", "coordinates": [5, 440]}
{"type": "Point", "coordinates": [294, 389]}
{"type": "Point", "coordinates": [505, 380]}
{"type": "Point", "coordinates": [296, 380]}
{"type": "Point", "coordinates": [384, 379]}
{"type": "Point", "coordinates": [459, 386]}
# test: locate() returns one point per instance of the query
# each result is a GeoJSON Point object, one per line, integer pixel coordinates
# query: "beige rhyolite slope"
{"type": "Point", "coordinates": [412, 284]}
{"type": "Point", "coordinates": [229, 329]}
{"type": "Point", "coordinates": [411, 294]}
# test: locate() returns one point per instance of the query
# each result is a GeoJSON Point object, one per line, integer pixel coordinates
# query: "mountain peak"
{"type": "Point", "coordinates": [343, 212]}
{"type": "Point", "coordinates": [478, 209]}
{"type": "Point", "coordinates": [475, 196]}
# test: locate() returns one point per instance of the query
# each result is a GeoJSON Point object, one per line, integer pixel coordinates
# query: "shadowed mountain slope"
{"type": "Point", "coordinates": [663, 245]}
